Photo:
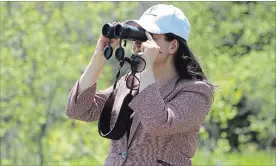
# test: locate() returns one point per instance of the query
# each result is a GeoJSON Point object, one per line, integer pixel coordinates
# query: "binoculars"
{"type": "Point", "coordinates": [123, 32]}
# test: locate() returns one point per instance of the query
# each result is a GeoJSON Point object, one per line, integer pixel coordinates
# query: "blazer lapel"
{"type": "Point", "coordinates": [135, 123]}
{"type": "Point", "coordinates": [165, 91]}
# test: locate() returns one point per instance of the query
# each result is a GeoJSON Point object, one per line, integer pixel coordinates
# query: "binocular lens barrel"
{"type": "Point", "coordinates": [123, 31]}
{"type": "Point", "coordinates": [108, 30]}
{"type": "Point", "coordinates": [127, 32]}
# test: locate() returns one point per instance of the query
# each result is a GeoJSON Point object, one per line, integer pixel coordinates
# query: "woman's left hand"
{"type": "Point", "coordinates": [150, 49]}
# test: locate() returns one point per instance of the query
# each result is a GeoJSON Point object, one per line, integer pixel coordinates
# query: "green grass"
{"type": "Point", "coordinates": [259, 158]}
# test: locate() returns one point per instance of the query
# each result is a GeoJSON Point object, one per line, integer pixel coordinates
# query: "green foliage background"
{"type": "Point", "coordinates": [45, 46]}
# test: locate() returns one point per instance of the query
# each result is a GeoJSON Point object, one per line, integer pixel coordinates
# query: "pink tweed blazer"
{"type": "Point", "coordinates": [165, 123]}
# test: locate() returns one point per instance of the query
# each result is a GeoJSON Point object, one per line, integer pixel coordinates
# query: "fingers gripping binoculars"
{"type": "Point", "coordinates": [123, 32]}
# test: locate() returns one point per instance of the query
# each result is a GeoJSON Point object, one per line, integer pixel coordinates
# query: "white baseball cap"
{"type": "Point", "coordinates": [162, 18]}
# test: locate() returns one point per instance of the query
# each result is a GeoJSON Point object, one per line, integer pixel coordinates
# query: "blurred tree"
{"type": "Point", "coordinates": [45, 46]}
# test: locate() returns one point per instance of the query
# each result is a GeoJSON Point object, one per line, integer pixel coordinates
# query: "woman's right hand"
{"type": "Point", "coordinates": [103, 41]}
{"type": "Point", "coordinates": [96, 65]}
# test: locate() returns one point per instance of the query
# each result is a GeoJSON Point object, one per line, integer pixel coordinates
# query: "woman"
{"type": "Point", "coordinates": [173, 100]}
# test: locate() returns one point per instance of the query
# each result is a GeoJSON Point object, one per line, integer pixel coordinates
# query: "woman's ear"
{"type": "Point", "coordinates": [173, 47]}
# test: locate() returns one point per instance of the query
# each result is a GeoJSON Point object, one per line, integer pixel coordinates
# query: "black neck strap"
{"type": "Point", "coordinates": [123, 122]}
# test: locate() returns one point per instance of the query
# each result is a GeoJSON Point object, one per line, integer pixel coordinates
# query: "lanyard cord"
{"type": "Point", "coordinates": [123, 122]}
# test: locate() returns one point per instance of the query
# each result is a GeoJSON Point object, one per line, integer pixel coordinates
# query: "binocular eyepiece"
{"type": "Point", "coordinates": [123, 31]}
{"type": "Point", "coordinates": [108, 30]}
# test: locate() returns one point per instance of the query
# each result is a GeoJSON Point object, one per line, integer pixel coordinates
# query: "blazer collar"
{"type": "Point", "coordinates": [167, 88]}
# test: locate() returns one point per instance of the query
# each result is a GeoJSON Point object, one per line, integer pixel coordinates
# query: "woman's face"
{"type": "Point", "coordinates": [160, 41]}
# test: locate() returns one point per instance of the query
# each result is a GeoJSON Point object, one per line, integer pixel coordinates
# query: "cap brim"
{"type": "Point", "coordinates": [150, 27]}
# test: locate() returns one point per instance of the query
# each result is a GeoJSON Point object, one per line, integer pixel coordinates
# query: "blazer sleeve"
{"type": "Point", "coordinates": [184, 113]}
{"type": "Point", "coordinates": [86, 106]}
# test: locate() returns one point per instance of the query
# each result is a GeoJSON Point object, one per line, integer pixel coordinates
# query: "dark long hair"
{"type": "Point", "coordinates": [187, 66]}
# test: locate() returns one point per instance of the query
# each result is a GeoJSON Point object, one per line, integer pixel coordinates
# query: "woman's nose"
{"type": "Point", "coordinates": [136, 48]}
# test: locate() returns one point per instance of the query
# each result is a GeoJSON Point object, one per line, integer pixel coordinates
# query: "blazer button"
{"type": "Point", "coordinates": [124, 155]}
